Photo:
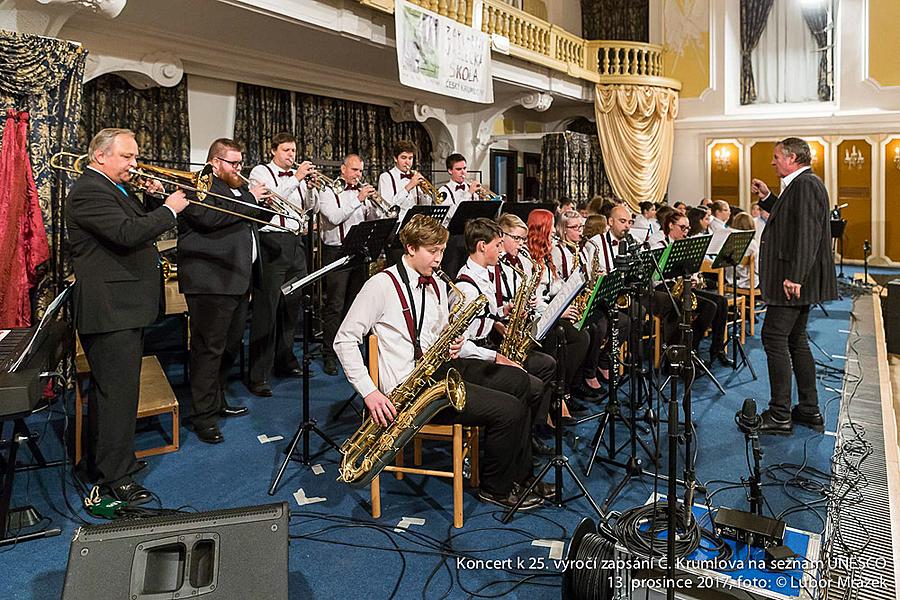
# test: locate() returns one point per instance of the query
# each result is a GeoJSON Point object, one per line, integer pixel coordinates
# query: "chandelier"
{"type": "Point", "coordinates": [853, 158]}
{"type": "Point", "coordinates": [722, 158]}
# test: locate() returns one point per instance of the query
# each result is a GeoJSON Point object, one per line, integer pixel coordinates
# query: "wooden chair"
{"type": "Point", "coordinates": [156, 398]}
{"type": "Point", "coordinates": [751, 293]}
{"type": "Point", "coordinates": [464, 441]}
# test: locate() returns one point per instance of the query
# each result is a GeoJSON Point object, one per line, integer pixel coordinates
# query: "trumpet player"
{"type": "Point", "coordinates": [283, 257]}
{"type": "Point", "coordinates": [400, 186]}
{"type": "Point", "coordinates": [451, 194]}
{"type": "Point", "coordinates": [218, 255]}
{"type": "Point", "coordinates": [339, 213]}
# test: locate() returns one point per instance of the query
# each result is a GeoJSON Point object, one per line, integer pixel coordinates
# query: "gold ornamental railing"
{"type": "Point", "coordinates": [537, 41]}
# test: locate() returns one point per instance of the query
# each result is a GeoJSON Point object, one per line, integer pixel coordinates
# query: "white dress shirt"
{"type": "Point", "coordinates": [658, 240]}
{"type": "Point", "coordinates": [393, 189]}
{"type": "Point", "coordinates": [453, 196]}
{"type": "Point", "coordinates": [642, 222]}
{"type": "Point", "coordinates": [786, 181]}
{"type": "Point", "coordinates": [288, 187]}
{"type": "Point", "coordinates": [377, 309]}
{"type": "Point", "coordinates": [743, 272]}
{"type": "Point", "coordinates": [609, 248]}
{"type": "Point", "coordinates": [592, 248]}
{"type": "Point", "coordinates": [510, 280]}
{"type": "Point", "coordinates": [716, 224]}
{"type": "Point", "coordinates": [549, 286]}
{"type": "Point", "coordinates": [486, 282]}
{"type": "Point", "coordinates": [564, 259]}
{"type": "Point", "coordinates": [339, 214]}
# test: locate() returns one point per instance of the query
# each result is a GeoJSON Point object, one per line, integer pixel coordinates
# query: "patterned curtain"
{"type": "Point", "coordinates": [43, 76]}
{"type": "Point", "coordinates": [616, 20]}
{"type": "Point", "coordinates": [582, 125]}
{"type": "Point", "coordinates": [326, 128]}
{"type": "Point", "coordinates": [260, 113]}
{"type": "Point", "coordinates": [816, 18]}
{"type": "Point", "coordinates": [754, 15]}
{"type": "Point", "coordinates": [157, 115]}
{"type": "Point", "coordinates": [572, 167]}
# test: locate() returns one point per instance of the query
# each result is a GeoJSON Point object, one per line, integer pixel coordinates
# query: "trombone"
{"type": "Point", "coordinates": [198, 181]}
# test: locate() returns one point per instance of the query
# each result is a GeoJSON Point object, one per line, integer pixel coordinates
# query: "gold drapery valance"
{"type": "Point", "coordinates": [636, 125]}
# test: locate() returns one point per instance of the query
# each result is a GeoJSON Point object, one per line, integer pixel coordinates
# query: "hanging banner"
{"type": "Point", "coordinates": [440, 55]}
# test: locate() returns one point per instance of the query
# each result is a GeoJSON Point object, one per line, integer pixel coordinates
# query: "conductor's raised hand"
{"type": "Point", "coordinates": [759, 187]}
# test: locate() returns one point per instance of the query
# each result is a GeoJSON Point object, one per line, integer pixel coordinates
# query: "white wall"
{"type": "Point", "coordinates": [211, 104]}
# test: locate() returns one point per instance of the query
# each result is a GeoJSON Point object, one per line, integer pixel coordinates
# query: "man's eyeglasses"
{"type": "Point", "coordinates": [237, 164]}
{"type": "Point", "coordinates": [519, 238]}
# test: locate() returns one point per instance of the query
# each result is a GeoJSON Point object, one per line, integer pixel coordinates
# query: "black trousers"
{"type": "Point", "coordinates": [577, 343]}
{"type": "Point", "coordinates": [787, 350]}
{"type": "Point", "coordinates": [217, 331]}
{"type": "Point", "coordinates": [115, 361]}
{"type": "Point", "coordinates": [719, 319]}
{"type": "Point", "coordinates": [275, 316]}
{"type": "Point", "coordinates": [498, 401]}
{"type": "Point", "coordinates": [341, 288]}
{"type": "Point", "coordinates": [541, 370]}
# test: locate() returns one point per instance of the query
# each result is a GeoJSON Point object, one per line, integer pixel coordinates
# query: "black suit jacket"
{"type": "Point", "coordinates": [118, 283]}
{"type": "Point", "coordinates": [796, 244]}
{"type": "Point", "coordinates": [215, 248]}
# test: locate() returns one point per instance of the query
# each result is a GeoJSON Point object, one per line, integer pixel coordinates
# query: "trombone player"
{"type": "Point", "coordinates": [218, 255]}
{"type": "Point", "coordinates": [283, 257]}
{"type": "Point", "coordinates": [117, 294]}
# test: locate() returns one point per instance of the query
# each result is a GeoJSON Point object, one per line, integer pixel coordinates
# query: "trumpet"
{"type": "Point", "coordinates": [383, 209]}
{"type": "Point", "coordinates": [281, 203]}
{"type": "Point", "coordinates": [320, 181]}
{"type": "Point", "coordinates": [427, 187]}
{"type": "Point", "coordinates": [485, 193]}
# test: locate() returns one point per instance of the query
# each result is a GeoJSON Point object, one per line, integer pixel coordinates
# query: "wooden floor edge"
{"type": "Point", "coordinates": [889, 422]}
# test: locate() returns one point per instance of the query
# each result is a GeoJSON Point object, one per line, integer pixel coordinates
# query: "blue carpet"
{"type": "Point", "coordinates": [332, 557]}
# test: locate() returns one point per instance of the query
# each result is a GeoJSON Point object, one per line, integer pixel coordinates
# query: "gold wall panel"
{"type": "Point", "coordinates": [855, 189]}
{"type": "Point", "coordinates": [892, 201]}
{"type": "Point", "coordinates": [724, 182]}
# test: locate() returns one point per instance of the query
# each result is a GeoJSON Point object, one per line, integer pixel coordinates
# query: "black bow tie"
{"type": "Point", "coordinates": [406, 175]}
{"type": "Point", "coordinates": [460, 186]}
{"type": "Point", "coordinates": [287, 173]}
{"type": "Point", "coordinates": [428, 280]}
{"type": "Point", "coordinates": [614, 242]}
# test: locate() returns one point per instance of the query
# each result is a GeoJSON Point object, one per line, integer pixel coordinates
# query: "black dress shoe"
{"type": "Point", "coordinates": [131, 492]}
{"type": "Point", "coordinates": [539, 447]}
{"type": "Point", "coordinates": [583, 390]}
{"type": "Point", "coordinates": [814, 421]}
{"type": "Point", "coordinates": [260, 389]}
{"type": "Point", "coordinates": [720, 357]}
{"type": "Point", "coordinates": [330, 367]}
{"type": "Point", "coordinates": [210, 435]}
{"type": "Point", "coordinates": [772, 426]}
{"type": "Point", "coordinates": [510, 499]}
{"type": "Point", "coordinates": [541, 488]}
{"type": "Point", "coordinates": [234, 411]}
{"type": "Point", "coordinates": [289, 372]}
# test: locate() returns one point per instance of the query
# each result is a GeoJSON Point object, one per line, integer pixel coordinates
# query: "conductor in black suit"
{"type": "Point", "coordinates": [117, 293]}
{"type": "Point", "coordinates": [796, 269]}
{"type": "Point", "coordinates": [218, 254]}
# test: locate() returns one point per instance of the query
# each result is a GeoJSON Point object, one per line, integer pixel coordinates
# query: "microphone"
{"type": "Point", "coordinates": [747, 420]}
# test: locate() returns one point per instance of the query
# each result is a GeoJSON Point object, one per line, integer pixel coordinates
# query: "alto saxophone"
{"type": "Point", "coordinates": [518, 339]}
{"type": "Point", "coordinates": [579, 304]}
{"type": "Point", "coordinates": [417, 399]}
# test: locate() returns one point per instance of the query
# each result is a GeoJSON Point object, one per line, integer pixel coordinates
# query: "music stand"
{"type": "Point", "coordinates": [523, 209]}
{"type": "Point", "coordinates": [362, 244]}
{"type": "Point", "coordinates": [682, 259]}
{"type": "Point", "coordinates": [471, 210]}
{"type": "Point", "coordinates": [730, 255]}
{"type": "Point", "coordinates": [559, 460]}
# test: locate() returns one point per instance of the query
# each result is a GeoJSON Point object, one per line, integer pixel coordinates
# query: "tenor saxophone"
{"type": "Point", "coordinates": [417, 399]}
{"type": "Point", "coordinates": [518, 339]}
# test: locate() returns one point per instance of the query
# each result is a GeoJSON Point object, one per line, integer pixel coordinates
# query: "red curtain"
{"type": "Point", "coordinates": [23, 239]}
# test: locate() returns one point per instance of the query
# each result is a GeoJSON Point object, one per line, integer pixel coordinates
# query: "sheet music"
{"type": "Point", "coordinates": [717, 241]}
{"type": "Point", "coordinates": [4, 333]}
{"type": "Point", "coordinates": [49, 315]}
{"type": "Point", "coordinates": [560, 302]}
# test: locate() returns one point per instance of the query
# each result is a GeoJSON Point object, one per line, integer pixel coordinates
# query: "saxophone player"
{"type": "Point", "coordinates": [408, 308]}
{"type": "Point", "coordinates": [482, 275]}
